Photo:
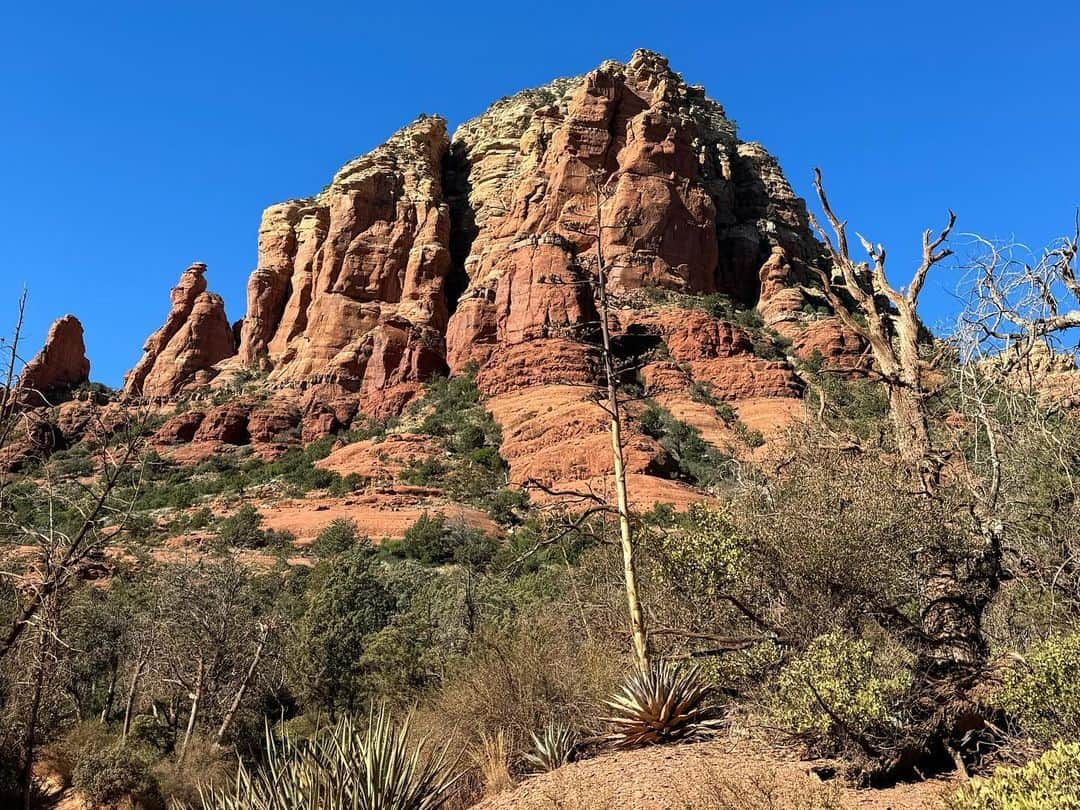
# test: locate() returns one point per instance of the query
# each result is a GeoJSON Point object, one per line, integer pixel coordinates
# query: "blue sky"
{"type": "Point", "coordinates": [139, 137]}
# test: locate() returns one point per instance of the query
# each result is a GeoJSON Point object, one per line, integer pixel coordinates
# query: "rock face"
{"type": "Point", "coordinates": [684, 205]}
{"type": "Point", "coordinates": [427, 254]}
{"type": "Point", "coordinates": [431, 254]}
{"type": "Point", "coordinates": [60, 364]}
{"type": "Point", "coordinates": [349, 289]}
{"type": "Point", "coordinates": [195, 336]}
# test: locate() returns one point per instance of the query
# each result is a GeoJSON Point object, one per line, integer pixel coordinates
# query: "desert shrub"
{"type": "Point", "coordinates": [703, 554]}
{"type": "Point", "coordinates": [204, 765]}
{"type": "Point", "coordinates": [189, 521]}
{"type": "Point", "coordinates": [106, 775]}
{"type": "Point", "coordinates": [72, 463]}
{"type": "Point", "coordinates": [242, 528]}
{"type": "Point", "coordinates": [697, 459]}
{"type": "Point", "coordinates": [346, 604]}
{"type": "Point", "coordinates": [491, 758]}
{"type": "Point", "coordinates": [423, 472]}
{"type": "Point", "coordinates": [840, 673]}
{"type": "Point", "coordinates": [1043, 695]}
{"type": "Point", "coordinates": [340, 535]}
{"type": "Point", "coordinates": [1051, 781]}
{"type": "Point", "coordinates": [472, 470]}
{"type": "Point", "coordinates": [345, 766]}
{"type": "Point", "coordinates": [533, 670]}
{"type": "Point", "coordinates": [749, 318]}
{"type": "Point", "coordinates": [63, 754]}
{"type": "Point", "coordinates": [433, 540]}
{"type": "Point", "coordinates": [508, 506]}
{"type": "Point", "coordinates": [751, 438]}
{"type": "Point", "coordinates": [151, 732]}
{"type": "Point", "coordinates": [344, 485]}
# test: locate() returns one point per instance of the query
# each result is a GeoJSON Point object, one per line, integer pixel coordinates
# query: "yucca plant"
{"type": "Point", "coordinates": [662, 704]}
{"type": "Point", "coordinates": [342, 768]}
{"type": "Point", "coordinates": [552, 748]}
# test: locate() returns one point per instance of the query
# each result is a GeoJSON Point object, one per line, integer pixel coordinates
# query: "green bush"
{"type": "Point", "coordinates": [346, 603]}
{"type": "Point", "coordinates": [241, 530]}
{"type": "Point", "coordinates": [508, 505]}
{"type": "Point", "coordinates": [433, 540]}
{"type": "Point", "coordinates": [1044, 696]}
{"type": "Point", "coordinates": [697, 459]}
{"type": "Point", "coordinates": [1051, 782]}
{"type": "Point", "coordinates": [840, 673]}
{"type": "Point", "coordinates": [751, 438]}
{"type": "Point", "coordinates": [337, 537]}
{"type": "Point", "coordinates": [106, 775]}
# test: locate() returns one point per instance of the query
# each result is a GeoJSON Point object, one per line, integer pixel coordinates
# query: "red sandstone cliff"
{"type": "Point", "coordinates": [196, 335]}
{"type": "Point", "coordinates": [61, 363]}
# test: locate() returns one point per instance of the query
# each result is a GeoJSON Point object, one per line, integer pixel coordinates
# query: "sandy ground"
{"type": "Point", "coordinates": [721, 775]}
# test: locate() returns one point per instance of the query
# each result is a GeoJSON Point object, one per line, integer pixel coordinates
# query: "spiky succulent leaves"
{"type": "Point", "coordinates": [662, 704]}
{"type": "Point", "coordinates": [397, 776]}
{"type": "Point", "coordinates": [552, 748]}
{"type": "Point", "coordinates": [342, 768]}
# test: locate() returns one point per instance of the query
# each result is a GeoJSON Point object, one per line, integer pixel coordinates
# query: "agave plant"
{"type": "Point", "coordinates": [661, 704]}
{"type": "Point", "coordinates": [552, 748]}
{"type": "Point", "coordinates": [342, 768]}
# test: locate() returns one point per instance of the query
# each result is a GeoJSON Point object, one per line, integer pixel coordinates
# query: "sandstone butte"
{"type": "Point", "coordinates": [61, 364]}
{"type": "Point", "coordinates": [433, 253]}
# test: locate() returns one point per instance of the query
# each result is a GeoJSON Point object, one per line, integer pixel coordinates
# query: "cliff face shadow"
{"type": "Point", "coordinates": [457, 185]}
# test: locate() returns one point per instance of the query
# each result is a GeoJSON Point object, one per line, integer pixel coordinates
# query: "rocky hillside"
{"type": "Point", "coordinates": [435, 254]}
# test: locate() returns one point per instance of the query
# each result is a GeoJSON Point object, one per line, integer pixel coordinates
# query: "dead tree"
{"type": "Point", "coordinates": [957, 579]}
{"type": "Point", "coordinates": [595, 268]}
{"type": "Point", "coordinates": [889, 324]}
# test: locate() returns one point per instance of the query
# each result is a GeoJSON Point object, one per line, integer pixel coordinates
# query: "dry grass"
{"type": "Point", "coordinates": [491, 756]}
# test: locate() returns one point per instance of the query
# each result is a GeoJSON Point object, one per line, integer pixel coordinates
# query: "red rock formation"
{"type": "Point", "coordinates": [273, 422]}
{"type": "Point", "coordinates": [226, 424]}
{"type": "Point", "coordinates": [179, 429]}
{"type": "Point", "coordinates": [60, 364]}
{"type": "Point", "coordinates": [349, 286]}
{"type": "Point", "coordinates": [196, 335]}
{"type": "Point", "coordinates": [696, 210]}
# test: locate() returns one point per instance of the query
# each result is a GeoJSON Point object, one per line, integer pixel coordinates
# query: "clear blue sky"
{"type": "Point", "coordinates": [140, 136]}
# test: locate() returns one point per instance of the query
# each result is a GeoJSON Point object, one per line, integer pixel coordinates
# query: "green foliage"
{"type": "Point", "coordinates": [509, 506]}
{"type": "Point", "coordinates": [751, 438]}
{"type": "Point", "coordinates": [749, 318]}
{"type": "Point", "coordinates": [1044, 696]}
{"type": "Point", "coordinates": [472, 470]}
{"type": "Point", "coordinates": [840, 673]}
{"type": "Point", "coordinates": [340, 535]}
{"type": "Point", "coordinates": [433, 540]}
{"type": "Point", "coordinates": [342, 767]}
{"type": "Point", "coordinates": [1051, 782]}
{"type": "Point", "coordinates": [552, 748]}
{"type": "Point", "coordinates": [703, 554]}
{"type": "Point", "coordinates": [108, 774]}
{"type": "Point", "coordinates": [697, 459]}
{"type": "Point", "coordinates": [346, 604]}
{"type": "Point", "coordinates": [241, 529]}
{"type": "Point", "coordinates": [664, 704]}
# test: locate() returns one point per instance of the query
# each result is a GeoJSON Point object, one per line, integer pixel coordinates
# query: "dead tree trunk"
{"type": "Point", "coordinates": [626, 539]}
{"type": "Point", "coordinates": [241, 690]}
{"type": "Point", "coordinates": [956, 584]}
{"type": "Point", "coordinates": [196, 704]}
{"type": "Point", "coordinates": [133, 690]}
